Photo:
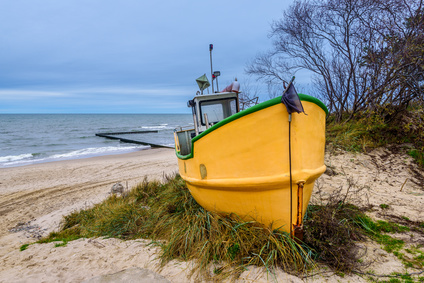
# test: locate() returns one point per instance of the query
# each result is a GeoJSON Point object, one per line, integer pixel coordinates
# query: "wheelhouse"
{"type": "Point", "coordinates": [207, 110]}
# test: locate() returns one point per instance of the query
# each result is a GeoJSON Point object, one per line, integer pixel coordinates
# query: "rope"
{"type": "Point", "coordinates": [291, 189]}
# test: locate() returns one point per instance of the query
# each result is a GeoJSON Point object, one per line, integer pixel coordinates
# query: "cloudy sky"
{"type": "Point", "coordinates": [129, 56]}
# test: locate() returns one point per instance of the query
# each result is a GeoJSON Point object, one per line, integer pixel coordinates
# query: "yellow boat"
{"type": "Point", "coordinates": [240, 162]}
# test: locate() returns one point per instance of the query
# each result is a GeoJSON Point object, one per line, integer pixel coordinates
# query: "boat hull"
{"type": "Point", "coordinates": [241, 165]}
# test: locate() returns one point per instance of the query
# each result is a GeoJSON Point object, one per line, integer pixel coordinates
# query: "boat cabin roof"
{"type": "Point", "coordinates": [214, 96]}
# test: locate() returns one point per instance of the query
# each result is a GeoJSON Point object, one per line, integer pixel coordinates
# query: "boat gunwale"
{"type": "Point", "coordinates": [253, 109]}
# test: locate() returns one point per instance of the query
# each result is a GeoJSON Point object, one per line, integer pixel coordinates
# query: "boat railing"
{"type": "Point", "coordinates": [183, 140]}
{"type": "Point", "coordinates": [184, 128]}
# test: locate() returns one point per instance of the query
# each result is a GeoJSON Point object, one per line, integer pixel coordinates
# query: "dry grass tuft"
{"type": "Point", "coordinates": [220, 245]}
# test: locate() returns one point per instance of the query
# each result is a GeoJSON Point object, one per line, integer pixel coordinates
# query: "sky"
{"type": "Point", "coordinates": [128, 56]}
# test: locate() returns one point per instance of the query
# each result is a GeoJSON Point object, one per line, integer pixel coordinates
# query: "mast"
{"type": "Point", "coordinates": [210, 51]}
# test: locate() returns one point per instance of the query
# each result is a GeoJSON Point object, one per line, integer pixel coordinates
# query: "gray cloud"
{"type": "Point", "coordinates": [133, 50]}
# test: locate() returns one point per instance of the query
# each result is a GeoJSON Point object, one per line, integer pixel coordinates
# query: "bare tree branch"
{"type": "Point", "coordinates": [365, 54]}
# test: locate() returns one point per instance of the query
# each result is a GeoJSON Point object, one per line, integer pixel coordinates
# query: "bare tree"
{"type": "Point", "coordinates": [249, 95]}
{"type": "Point", "coordinates": [395, 58]}
{"type": "Point", "coordinates": [345, 44]}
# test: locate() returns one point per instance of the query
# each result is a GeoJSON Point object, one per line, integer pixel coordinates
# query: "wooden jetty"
{"type": "Point", "coordinates": [113, 136]}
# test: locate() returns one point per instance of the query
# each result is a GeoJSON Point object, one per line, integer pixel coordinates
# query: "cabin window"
{"type": "Point", "coordinates": [217, 109]}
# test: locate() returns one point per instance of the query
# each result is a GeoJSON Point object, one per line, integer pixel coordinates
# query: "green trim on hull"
{"type": "Point", "coordinates": [258, 107]}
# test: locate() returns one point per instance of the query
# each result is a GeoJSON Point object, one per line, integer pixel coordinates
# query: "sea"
{"type": "Point", "coordinates": [36, 138]}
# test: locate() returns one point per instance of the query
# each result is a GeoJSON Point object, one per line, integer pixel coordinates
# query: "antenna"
{"type": "Point", "coordinates": [210, 51]}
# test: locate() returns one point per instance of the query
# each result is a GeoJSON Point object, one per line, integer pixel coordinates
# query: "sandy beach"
{"type": "Point", "coordinates": [34, 198]}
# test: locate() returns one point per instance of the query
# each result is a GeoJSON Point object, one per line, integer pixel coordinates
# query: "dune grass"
{"type": "Point", "coordinates": [225, 245]}
{"type": "Point", "coordinates": [370, 130]}
{"type": "Point", "coordinates": [166, 213]}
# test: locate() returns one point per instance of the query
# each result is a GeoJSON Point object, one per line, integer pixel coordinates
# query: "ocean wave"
{"type": "Point", "coordinates": [62, 136]}
{"type": "Point", "coordinates": [159, 127]}
{"type": "Point", "coordinates": [12, 158]}
{"type": "Point", "coordinates": [94, 151]}
{"type": "Point", "coordinates": [154, 127]}
{"type": "Point", "coordinates": [25, 159]}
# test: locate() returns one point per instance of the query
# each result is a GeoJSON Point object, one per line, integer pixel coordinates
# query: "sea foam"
{"type": "Point", "coordinates": [26, 159]}
{"type": "Point", "coordinates": [11, 158]}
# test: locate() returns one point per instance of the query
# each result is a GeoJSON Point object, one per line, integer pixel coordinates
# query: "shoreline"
{"type": "Point", "coordinates": [58, 159]}
{"type": "Point", "coordinates": [34, 191]}
{"type": "Point", "coordinates": [34, 139]}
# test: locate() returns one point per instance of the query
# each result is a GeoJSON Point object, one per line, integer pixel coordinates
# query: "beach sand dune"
{"type": "Point", "coordinates": [34, 198]}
